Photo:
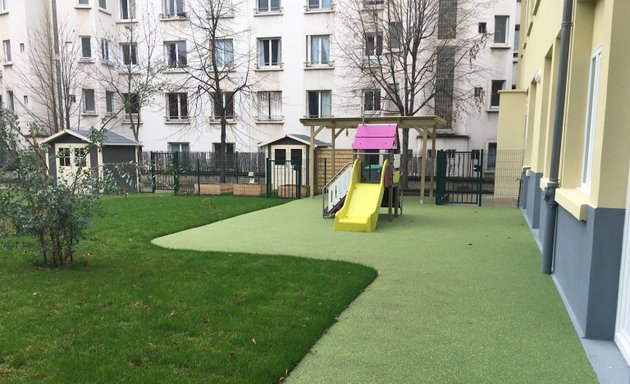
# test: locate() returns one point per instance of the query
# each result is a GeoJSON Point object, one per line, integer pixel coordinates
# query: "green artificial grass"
{"type": "Point", "coordinates": [459, 297]}
{"type": "Point", "coordinates": [129, 311]}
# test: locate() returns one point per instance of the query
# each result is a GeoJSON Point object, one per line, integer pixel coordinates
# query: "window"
{"type": "Point", "coordinates": [270, 105]}
{"type": "Point", "coordinates": [591, 117]}
{"type": "Point", "coordinates": [319, 103]}
{"type": "Point", "coordinates": [127, 9]}
{"type": "Point", "coordinates": [497, 85]}
{"type": "Point", "coordinates": [296, 156]}
{"type": "Point", "coordinates": [482, 28]}
{"type": "Point", "coordinates": [10, 101]}
{"type": "Point", "coordinates": [268, 5]}
{"type": "Point", "coordinates": [89, 105]}
{"type": "Point", "coordinates": [132, 104]}
{"type": "Point", "coordinates": [373, 47]}
{"type": "Point", "coordinates": [269, 52]}
{"type": "Point", "coordinates": [174, 8]}
{"type": "Point", "coordinates": [492, 156]}
{"type": "Point", "coordinates": [500, 29]}
{"type": "Point", "coordinates": [447, 19]}
{"type": "Point", "coordinates": [280, 156]}
{"type": "Point", "coordinates": [224, 53]}
{"type": "Point", "coordinates": [4, 5]}
{"type": "Point", "coordinates": [390, 102]}
{"type": "Point", "coordinates": [517, 29]}
{"type": "Point", "coordinates": [129, 53]}
{"type": "Point", "coordinates": [444, 83]}
{"type": "Point", "coordinates": [84, 2]}
{"type": "Point", "coordinates": [22, 47]}
{"type": "Point", "coordinates": [395, 34]}
{"type": "Point", "coordinates": [319, 4]}
{"type": "Point", "coordinates": [178, 147]}
{"type": "Point", "coordinates": [6, 46]}
{"type": "Point", "coordinates": [102, 4]}
{"type": "Point", "coordinates": [109, 101]}
{"type": "Point", "coordinates": [80, 157]}
{"type": "Point", "coordinates": [478, 91]}
{"type": "Point", "coordinates": [176, 56]}
{"type": "Point", "coordinates": [63, 156]}
{"type": "Point", "coordinates": [373, 3]}
{"type": "Point", "coordinates": [86, 47]}
{"type": "Point", "coordinates": [106, 50]}
{"type": "Point", "coordinates": [177, 106]}
{"type": "Point", "coordinates": [318, 49]}
{"type": "Point", "coordinates": [228, 104]}
{"type": "Point", "coordinates": [372, 100]}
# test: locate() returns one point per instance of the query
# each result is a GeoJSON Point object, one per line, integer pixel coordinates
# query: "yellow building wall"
{"type": "Point", "coordinates": [510, 135]}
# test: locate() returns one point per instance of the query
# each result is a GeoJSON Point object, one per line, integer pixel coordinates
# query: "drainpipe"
{"type": "Point", "coordinates": [558, 121]}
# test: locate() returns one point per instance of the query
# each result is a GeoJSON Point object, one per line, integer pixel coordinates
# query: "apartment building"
{"type": "Point", "coordinates": [142, 68]}
{"type": "Point", "coordinates": [580, 228]}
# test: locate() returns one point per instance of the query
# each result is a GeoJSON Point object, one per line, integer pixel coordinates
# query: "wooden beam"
{"type": "Point", "coordinates": [334, 160]}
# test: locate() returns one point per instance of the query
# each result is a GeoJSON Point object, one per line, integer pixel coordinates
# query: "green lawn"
{"type": "Point", "coordinates": [129, 311]}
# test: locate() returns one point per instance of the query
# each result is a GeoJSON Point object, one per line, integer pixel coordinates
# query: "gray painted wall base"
{"type": "Point", "coordinates": [534, 197]}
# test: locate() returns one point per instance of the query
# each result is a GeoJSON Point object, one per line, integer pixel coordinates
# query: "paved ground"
{"type": "Point", "coordinates": [459, 297]}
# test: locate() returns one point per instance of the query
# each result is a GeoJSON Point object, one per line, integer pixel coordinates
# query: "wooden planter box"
{"type": "Point", "coordinates": [214, 189]}
{"type": "Point", "coordinates": [289, 191]}
{"type": "Point", "coordinates": [249, 189]}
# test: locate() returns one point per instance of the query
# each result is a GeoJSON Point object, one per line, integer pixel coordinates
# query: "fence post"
{"type": "Point", "coordinates": [176, 172]}
{"type": "Point", "coordinates": [198, 177]}
{"type": "Point", "coordinates": [268, 177]}
{"type": "Point", "coordinates": [237, 167]}
{"type": "Point", "coordinates": [480, 184]}
{"type": "Point", "coordinates": [298, 180]}
{"type": "Point", "coordinates": [153, 176]}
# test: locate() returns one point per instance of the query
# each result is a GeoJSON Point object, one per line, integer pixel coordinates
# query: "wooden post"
{"type": "Point", "coordinates": [334, 160]}
{"type": "Point", "coordinates": [423, 165]}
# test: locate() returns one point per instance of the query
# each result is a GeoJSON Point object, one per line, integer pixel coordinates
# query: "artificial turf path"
{"type": "Point", "coordinates": [131, 312]}
{"type": "Point", "coordinates": [459, 297]}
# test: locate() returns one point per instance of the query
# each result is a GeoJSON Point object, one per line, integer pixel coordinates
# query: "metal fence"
{"type": "Point", "coordinates": [185, 172]}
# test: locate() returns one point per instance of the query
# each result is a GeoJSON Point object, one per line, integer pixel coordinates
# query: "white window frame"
{"type": "Point", "coordinates": [131, 9]}
{"type": "Point", "coordinates": [178, 147]}
{"type": "Point", "coordinates": [490, 105]}
{"type": "Point", "coordinates": [268, 41]}
{"type": "Point", "coordinates": [320, 4]}
{"type": "Point", "coordinates": [174, 8]}
{"type": "Point", "coordinates": [505, 31]}
{"type": "Point", "coordinates": [133, 58]}
{"type": "Point", "coordinates": [318, 40]}
{"type": "Point", "coordinates": [268, 103]}
{"type": "Point", "coordinates": [182, 100]}
{"type": "Point", "coordinates": [180, 50]}
{"type": "Point", "coordinates": [85, 92]}
{"type": "Point", "coordinates": [319, 93]}
{"type": "Point", "coordinates": [373, 55]}
{"type": "Point", "coordinates": [109, 102]}
{"type": "Point", "coordinates": [83, 3]}
{"type": "Point", "coordinates": [82, 40]}
{"type": "Point", "coordinates": [591, 119]}
{"type": "Point", "coordinates": [100, 4]}
{"type": "Point", "coordinates": [10, 101]}
{"type": "Point", "coordinates": [224, 95]}
{"type": "Point", "coordinates": [268, 7]}
{"type": "Point", "coordinates": [224, 53]}
{"type": "Point", "coordinates": [106, 51]}
{"type": "Point", "coordinates": [374, 93]}
{"type": "Point", "coordinates": [4, 6]}
{"type": "Point", "coordinates": [6, 49]}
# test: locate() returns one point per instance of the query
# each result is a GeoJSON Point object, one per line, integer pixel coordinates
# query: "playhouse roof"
{"type": "Point", "coordinates": [109, 138]}
{"type": "Point", "coordinates": [376, 136]}
{"type": "Point", "coordinates": [303, 139]}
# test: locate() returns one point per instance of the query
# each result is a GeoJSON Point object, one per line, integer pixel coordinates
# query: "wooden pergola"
{"type": "Point", "coordinates": [424, 125]}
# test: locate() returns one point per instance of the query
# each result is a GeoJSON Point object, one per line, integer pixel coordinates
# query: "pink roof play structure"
{"type": "Point", "coordinates": [376, 136]}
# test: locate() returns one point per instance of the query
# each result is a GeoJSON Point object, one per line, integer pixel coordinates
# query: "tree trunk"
{"type": "Point", "coordinates": [223, 154]}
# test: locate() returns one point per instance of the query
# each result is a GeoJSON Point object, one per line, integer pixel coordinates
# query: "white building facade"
{"type": "Point", "coordinates": [285, 59]}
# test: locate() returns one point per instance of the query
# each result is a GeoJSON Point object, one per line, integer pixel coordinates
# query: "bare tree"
{"type": "Point", "coordinates": [420, 53]}
{"type": "Point", "coordinates": [216, 71]}
{"type": "Point", "coordinates": [133, 69]}
{"type": "Point", "coordinates": [52, 73]}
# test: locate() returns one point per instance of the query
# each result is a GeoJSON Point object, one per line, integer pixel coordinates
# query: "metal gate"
{"type": "Point", "coordinates": [459, 177]}
{"type": "Point", "coordinates": [165, 171]}
{"type": "Point", "coordinates": [284, 179]}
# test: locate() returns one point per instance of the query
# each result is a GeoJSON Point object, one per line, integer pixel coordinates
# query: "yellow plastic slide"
{"type": "Point", "coordinates": [360, 210]}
